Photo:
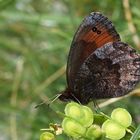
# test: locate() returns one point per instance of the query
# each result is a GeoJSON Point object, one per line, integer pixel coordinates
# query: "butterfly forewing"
{"type": "Point", "coordinates": [95, 31]}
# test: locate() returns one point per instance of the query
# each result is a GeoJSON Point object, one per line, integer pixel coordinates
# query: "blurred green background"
{"type": "Point", "coordinates": [35, 36]}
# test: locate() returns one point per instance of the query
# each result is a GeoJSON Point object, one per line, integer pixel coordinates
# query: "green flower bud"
{"type": "Point", "coordinates": [74, 111]}
{"type": "Point", "coordinates": [122, 116]}
{"type": "Point", "coordinates": [87, 119]}
{"type": "Point", "coordinates": [47, 136]}
{"type": "Point", "coordinates": [73, 128]}
{"type": "Point", "coordinates": [113, 130]}
{"type": "Point", "coordinates": [94, 131]}
{"type": "Point", "coordinates": [82, 114]}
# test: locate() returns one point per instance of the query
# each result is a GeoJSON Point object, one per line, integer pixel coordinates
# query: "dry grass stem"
{"type": "Point", "coordinates": [50, 79]}
{"type": "Point", "coordinates": [113, 100]}
{"type": "Point", "coordinates": [131, 26]}
{"type": "Point", "coordinates": [13, 101]}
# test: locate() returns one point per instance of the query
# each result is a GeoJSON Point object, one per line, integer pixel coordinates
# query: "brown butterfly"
{"type": "Point", "coordinates": [99, 64]}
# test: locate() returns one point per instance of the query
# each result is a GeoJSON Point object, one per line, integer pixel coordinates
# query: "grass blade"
{"type": "Point", "coordinates": [136, 134]}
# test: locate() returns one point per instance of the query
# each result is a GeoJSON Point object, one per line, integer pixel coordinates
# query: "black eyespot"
{"type": "Point", "coordinates": [94, 29]}
{"type": "Point", "coordinates": [98, 32]}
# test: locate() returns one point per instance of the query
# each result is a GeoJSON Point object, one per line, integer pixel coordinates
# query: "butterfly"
{"type": "Point", "coordinates": [99, 64]}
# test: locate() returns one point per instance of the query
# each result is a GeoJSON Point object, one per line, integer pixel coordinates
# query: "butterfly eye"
{"type": "Point", "coordinates": [94, 29]}
{"type": "Point", "coordinates": [98, 32]}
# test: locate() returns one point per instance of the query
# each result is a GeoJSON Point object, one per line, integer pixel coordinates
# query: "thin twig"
{"type": "Point", "coordinates": [131, 26]}
{"type": "Point", "coordinates": [13, 101]}
{"type": "Point", "coordinates": [50, 79]}
{"type": "Point", "coordinates": [113, 100]}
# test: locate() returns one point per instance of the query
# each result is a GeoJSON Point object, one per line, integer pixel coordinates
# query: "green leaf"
{"type": "Point", "coordinates": [136, 134]}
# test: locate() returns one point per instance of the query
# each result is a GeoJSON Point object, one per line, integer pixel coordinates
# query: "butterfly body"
{"type": "Point", "coordinates": [99, 64]}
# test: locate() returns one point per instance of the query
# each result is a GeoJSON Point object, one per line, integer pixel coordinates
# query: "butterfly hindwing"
{"type": "Point", "coordinates": [110, 71]}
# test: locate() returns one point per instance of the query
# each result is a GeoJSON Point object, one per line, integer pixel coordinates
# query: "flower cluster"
{"type": "Point", "coordinates": [79, 122]}
{"type": "Point", "coordinates": [115, 127]}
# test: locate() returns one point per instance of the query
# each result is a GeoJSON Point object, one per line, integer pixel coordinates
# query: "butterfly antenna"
{"type": "Point", "coordinates": [50, 101]}
{"type": "Point", "coordinates": [57, 96]}
{"type": "Point", "coordinates": [42, 103]}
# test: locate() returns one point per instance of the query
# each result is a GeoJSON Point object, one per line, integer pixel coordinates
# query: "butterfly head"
{"type": "Point", "coordinates": [66, 95]}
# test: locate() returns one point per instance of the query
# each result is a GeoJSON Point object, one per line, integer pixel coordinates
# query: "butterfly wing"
{"type": "Point", "coordinates": [95, 31]}
{"type": "Point", "coordinates": [110, 71]}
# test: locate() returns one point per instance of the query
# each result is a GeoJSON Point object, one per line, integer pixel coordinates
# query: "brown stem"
{"type": "Point", "coordinates": [13, 101]}
{"type": "Point", "coordinates": [131, 26]}
{"type": "Point", "coordinates": [49, 80]}
{"type": "Point", "coordinates": [113, 100]}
